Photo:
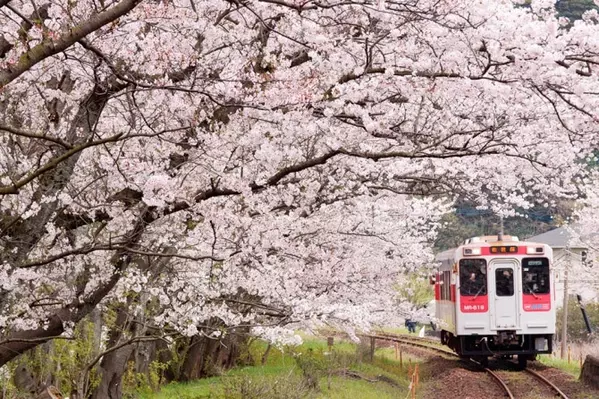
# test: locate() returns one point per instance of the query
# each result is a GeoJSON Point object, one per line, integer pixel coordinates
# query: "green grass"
{"type": "Point", "coordinates": [572, 368]}
{"type": "Point", "coordinates": [393, 330]}
{"type": "Point", "coordinates": [213, 387]}
{"type": "Point", "coordinates": [192, 390]}
{"type": "Point", "coordinates": [278, 363]}
{"type": "Point", "coordinates": [282, 366]}
{"type": "Point", "coordinates": [321, 345]}
{"type": "Point", "coordinates": [343, 388]}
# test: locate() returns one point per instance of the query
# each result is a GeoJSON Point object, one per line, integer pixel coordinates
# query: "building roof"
{"type": "Point", "coordinates": [559, 238]}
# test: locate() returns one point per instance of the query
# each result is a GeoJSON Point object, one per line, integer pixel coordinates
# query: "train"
{"type": "Point", "coordinates": [495, 297]}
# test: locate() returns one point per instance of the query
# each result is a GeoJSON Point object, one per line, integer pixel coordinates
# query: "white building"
{"type": "Point", "coordinates": [571, 258]}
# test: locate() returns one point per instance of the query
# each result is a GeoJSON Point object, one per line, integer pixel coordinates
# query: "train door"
{"type": "Point", "coordinates": [503, 286]}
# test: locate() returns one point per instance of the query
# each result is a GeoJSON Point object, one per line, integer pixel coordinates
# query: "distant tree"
{"type": "Point", "coordinates": [454, 230]}
{"type": "Point", "coordinates": [577, 330]}
{"type": "Point", "coordinates": [467, 221]}
{"type": "Point", "coordinates": [416, 290]}
{"type": "Point", "coordinates": [573, 9]}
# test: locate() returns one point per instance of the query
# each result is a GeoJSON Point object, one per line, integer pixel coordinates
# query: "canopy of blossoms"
{"type": "Point", "coordinates": [267, 162]}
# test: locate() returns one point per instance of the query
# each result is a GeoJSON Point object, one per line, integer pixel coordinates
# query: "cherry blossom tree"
{"type": "Point", "coordinates": [267, 162]}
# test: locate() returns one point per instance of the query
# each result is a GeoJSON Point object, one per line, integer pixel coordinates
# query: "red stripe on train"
{"type": "Point", "coordinates": [536, 303]}
{"type": "Point", "coordinates": [474, 304]}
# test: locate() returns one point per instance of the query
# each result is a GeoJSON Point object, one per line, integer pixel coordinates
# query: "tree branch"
{"type": "Point", "coordinates": [50, 47]}
{"type": "Point", "coordinates": [23, 340]}
{"type": "Point", "coordinates": [112, 247]}
{"type": "Point", "coordinates": [53, 163]}
{"type": "Point", "coordinates": [33, 340]}
{"type": "Point", "coordinates": [30, 135]}
{"type": "Point", "coordinates": [117, 347]}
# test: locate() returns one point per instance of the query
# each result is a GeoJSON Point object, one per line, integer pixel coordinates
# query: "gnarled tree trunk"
{"type": "Point", "coordinates": [114, 363]}
{"type": "Point", "coordinates": [206, 356]}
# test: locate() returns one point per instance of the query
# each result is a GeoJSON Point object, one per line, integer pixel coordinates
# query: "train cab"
{"type": "Point", "coordinates": [494, 297]}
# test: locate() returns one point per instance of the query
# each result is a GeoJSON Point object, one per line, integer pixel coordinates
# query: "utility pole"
{"type": "Point", "coordinates": [565, 310]}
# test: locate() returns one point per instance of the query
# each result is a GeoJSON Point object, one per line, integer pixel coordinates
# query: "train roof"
{"type": "Point", "coordinates": [447, 254]}
{"type": "Point", "coordinates": [484, 241]}
{"type": "Point", "coordinates": [489, 239]}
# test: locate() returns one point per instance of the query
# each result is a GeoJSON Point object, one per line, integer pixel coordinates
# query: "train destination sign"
{"type": "Point", "coordinates": [509, 249]}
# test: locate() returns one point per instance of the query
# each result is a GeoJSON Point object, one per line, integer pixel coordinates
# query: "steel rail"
{"type": "Point", "coordinates": [419, 342]}
{"type": "Point", "coordinates": [546, 381]}
{"type": "Point", "coordinates": [497, 378]}
{"type": "Point", "coordinates": [416, 341]}
{"type": "Point", "coordinates": [410, 341]}
{"type": "Point", "coordinates": [406, 336]}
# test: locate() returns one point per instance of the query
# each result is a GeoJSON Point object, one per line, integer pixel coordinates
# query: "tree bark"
{"type": "Point", "coordinates": [206, 357]}
{"type": "Point", "coordinates": [114, 364]}
{"type": "Point", "coordinates": [19, 342]}
{"type": "Point", "coordinates": [48, 48]}
{"type": "Point", "coordinates": [194, 358]}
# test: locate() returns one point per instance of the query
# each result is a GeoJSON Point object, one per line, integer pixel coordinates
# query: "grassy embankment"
{"type": "Point", "coordinates": [572, 367]}
{"type": "Point", "coordinates": [311, 371]}
{"type": "Point", "coordinates": [307, 371]}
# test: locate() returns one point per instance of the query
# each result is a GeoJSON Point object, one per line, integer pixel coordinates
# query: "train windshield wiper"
{"type": "Point", "coordinates": [530, 290]}
{"type": "Point", "coordinates": [479, 291]}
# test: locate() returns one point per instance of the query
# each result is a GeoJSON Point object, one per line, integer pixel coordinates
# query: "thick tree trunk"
{"type": "Point", "coordinates": [145, 352]}
{"type": "Point", "coordinates": [194, 359]}
{"type": "Point", "coordinates": [112, 369]}
{"type": "Point", "coordinates": [207, 356]}
{"type": "Point", "coordinates": [21, 341]}
{"type": "Point", "coordinates": [128, 325]}
{"type": "Point", "coordinates": [114, 364]}
{"type": "Point", "coordinates": [80, 389]}
{"type": "Point", "coordinates": [24, 238]}
{"type": "Point", "coordinates": [165, 355]}
{"type": "Point", "coordinates": [155, 351]}
{"type": "Point", "coordinates": [590, 371]}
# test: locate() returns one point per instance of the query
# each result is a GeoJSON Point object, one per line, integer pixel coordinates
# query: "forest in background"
{"type": "Point", "coordinates": [573, 9]}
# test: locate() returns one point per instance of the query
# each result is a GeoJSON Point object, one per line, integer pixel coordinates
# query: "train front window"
{"type": "Point", "coordinates": [473, 277]}
{"type": "Point", "coordinates": [535, 276]}
{"type": "Point", "coordinates": [504, 281]}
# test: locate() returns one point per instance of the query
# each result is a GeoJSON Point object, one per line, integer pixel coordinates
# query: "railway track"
{"type": "Point", "coordinates": [431, 345]}
{"type": "Point", "coordinates": [547, 382]}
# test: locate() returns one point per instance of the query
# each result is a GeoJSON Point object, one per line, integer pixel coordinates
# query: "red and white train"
{"type": "Point", "coordinates": [495, 296]}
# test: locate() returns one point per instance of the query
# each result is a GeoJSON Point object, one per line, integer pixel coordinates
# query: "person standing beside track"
{"type": "Point", "coordinates": [411, 325]}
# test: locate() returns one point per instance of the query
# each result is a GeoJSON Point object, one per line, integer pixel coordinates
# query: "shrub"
{"type": "Point", "coordinates": [289, 386]}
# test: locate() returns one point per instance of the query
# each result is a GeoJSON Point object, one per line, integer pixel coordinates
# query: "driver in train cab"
{"type": "Point", "coordinates": [471, 285]}
{"type": "Point", "coordinates": [505, 284]}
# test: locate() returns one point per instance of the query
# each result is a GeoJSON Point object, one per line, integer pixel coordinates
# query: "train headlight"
{"type": "Point", "coordinates": [471, 251]}
{"type": "Point", "coordinates": [534, 250]}
{"type": "Point", "coordinates": [541, 344]}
